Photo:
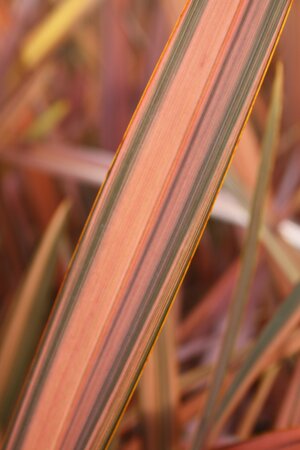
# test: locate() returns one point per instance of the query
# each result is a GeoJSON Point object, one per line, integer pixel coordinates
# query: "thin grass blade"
{"type": "Point", "coordinates": [87, 165]}
{"type": "Point", "coordinates": [277, 440]}
{"type": "Point", "coordinates": [263, 390]}
{"type": "Point", "coordinates": [272, 337]}
{"type": "Point", "coordinates": [248, 261]}
{"type": "Point", "coordinates": [158, 392]}
{"type": "Point", "coordinates": [29, 311]}
{"type": "Point", "coordinates": [55, 27]}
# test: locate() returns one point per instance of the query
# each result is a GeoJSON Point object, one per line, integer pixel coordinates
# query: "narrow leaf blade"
{"type": "Point", "coordinates": [147, 223]}
{"type": "Point", "coordinates": [28, 314]}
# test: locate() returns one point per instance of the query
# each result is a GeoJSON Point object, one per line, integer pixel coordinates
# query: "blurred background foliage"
{"type": "Point", "coordinates": [71, 75]}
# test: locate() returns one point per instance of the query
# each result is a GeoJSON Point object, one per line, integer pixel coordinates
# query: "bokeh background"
{"type": "Point", "coordinates": [71, 75]}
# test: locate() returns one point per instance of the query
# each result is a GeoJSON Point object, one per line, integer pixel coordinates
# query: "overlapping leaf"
{"type": "Point", "coordinates": [146, 223]}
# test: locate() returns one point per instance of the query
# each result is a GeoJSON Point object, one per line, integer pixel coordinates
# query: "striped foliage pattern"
{"type": "Point", "coordinates": [146, 223]}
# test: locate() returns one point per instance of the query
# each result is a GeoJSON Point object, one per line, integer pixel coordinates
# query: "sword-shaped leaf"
{"type": "Point", "coordinates": [147, 223]}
